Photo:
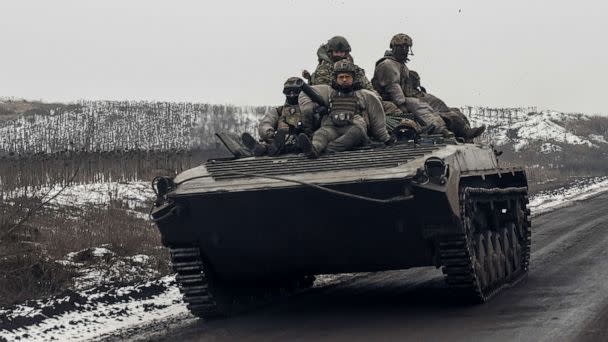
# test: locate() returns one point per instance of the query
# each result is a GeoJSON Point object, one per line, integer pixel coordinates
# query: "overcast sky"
{"type": "Point", "coordinates": [551, 54]}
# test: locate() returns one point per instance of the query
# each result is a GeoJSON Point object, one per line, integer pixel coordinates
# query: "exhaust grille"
{"type": "Point", "coordinates": [293, 164]}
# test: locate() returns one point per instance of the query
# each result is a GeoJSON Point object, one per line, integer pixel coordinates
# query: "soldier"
{"type": "Point", "coordinates": [426, 107]}
{"type": "Point", "coordinates": [352, 113]}
{"type": "Point", "coordinates": [390, 80]}
{"type": "Point", "coordinates": [336, 49]}
{"type": "Point", "coordinates": [455, 120]}
{"type": "Point", "coordinates": [280, 127]}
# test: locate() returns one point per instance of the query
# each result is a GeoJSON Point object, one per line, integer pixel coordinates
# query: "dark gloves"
{"type": "Point", "coordinates": [392, 140]}
{"type": "Point", "coordinates": [321, 110]}
{"type": "Point", "coordinates": [269, 134]}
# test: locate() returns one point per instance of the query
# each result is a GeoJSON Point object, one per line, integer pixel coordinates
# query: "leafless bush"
{"type": "Point", "coordinates": [26, 269]}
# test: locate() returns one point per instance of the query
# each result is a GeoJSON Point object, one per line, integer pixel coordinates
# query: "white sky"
{"type": "Point", "coordinates": [498, 53]}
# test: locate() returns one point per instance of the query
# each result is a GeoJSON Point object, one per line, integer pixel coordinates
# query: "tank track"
{"type": "Point", "coordinates": [207, 298]}
{"type": "Point", "coordinates": [493, 250]}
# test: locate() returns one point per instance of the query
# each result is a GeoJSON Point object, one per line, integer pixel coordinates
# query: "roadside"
{"type": "Point", "coordinates": [104, 304]}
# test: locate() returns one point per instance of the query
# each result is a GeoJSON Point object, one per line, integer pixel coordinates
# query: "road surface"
{"type": "Point", "coordinates": [564, 298]}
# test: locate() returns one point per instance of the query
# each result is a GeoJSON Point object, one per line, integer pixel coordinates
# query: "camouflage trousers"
{"type": "Point", "coordinates": [425, 113]}
{"type": "Point", "coordinates": [391, 109]}
{"type": "Point", "coordinates": [337, 139]}
{"type": "Point", "coordinates": [436, 103]}
{"type": "Point", "coordinates": [454, 119]}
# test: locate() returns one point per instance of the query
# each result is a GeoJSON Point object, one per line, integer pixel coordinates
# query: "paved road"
{"type": "Point", "coordinates": [564, 298]}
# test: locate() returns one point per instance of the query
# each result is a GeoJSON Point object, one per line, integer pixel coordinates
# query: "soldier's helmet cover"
{"type": "Point", "coordinates": [338, 43]}
{"type": "Point", "coordinates": [344, 67]}
{"type": "Point", "coordinates": [401, 39]}
{"type": "Point", "coordinates": [293, 83]}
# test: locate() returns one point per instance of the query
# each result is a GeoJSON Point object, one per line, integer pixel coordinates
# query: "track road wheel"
{"type": "Point", "coordinates": [494, 249]}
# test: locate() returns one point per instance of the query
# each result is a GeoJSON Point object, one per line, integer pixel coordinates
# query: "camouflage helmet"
{"type": "Point", "coordinates": [401, 39]}
{"type": "Point", "coordinates": [344, 66]}
{"type": "Point", "coordinates": [338, 43]}
{"type": "Point", "coordinates": [292, 83]}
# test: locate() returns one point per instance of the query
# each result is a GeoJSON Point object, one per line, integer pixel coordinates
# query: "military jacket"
{"type": "Point", "coordinates": [369, 106]}
{"type": "Point", "coordinates": [322, 75]}
{"type": "Point", "coordinates": [284, 117]}
{"type": "Point", "coordinates": [391, 79]}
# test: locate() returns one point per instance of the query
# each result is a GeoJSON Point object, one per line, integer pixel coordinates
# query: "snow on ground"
{"type": "Point", "coordinates": [109, 312]}
{"type": "Point", "coordinates": [134, 195]}
{"type": "Point", "coordinates": [91, 314]}
{"type": "Point", "coordinates": [520, 126]}
{"type": "Point", "coordinates": [99, 266]}
{"type": "Point", "coordinates": [557, 198]}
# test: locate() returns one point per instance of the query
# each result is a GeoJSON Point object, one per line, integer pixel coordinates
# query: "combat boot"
{"type": "Point", "coordinates": [278, 143]}
{"type": "Point", "coordinates": [306, 146]}
{"type": "Point", "coordinates": [471, 133]}
{"type": "Point", "coordinates": [253, 145]}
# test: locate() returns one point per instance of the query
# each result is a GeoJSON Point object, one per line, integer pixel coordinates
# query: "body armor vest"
{"type": "Point", "coordinates": [342, 108]}
{"type": "Point", "coordinates": [291, 118]}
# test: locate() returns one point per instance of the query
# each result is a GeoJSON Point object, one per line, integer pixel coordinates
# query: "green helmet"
{"type": "Point", "coordinates": [293, 82]}
{"type": "Point", "coordinates": [338, 43]}
{"type": "Point", "coordinates": [401, 39]}
{"type": "Point", "coordinates": [344, 66]}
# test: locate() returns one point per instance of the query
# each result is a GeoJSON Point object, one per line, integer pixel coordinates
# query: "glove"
{"type": "Point", "coordinates": [392, 140]}
{"type": "Point", "coordinates": [321, 110]}
{"type": "Point", "coordinates": [269, 134]}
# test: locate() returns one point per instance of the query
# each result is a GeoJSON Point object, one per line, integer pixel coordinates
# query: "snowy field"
{"type": "Point", "coordinates": [521, 126]}
{"type": "Point", "coordinates": [98, 312]}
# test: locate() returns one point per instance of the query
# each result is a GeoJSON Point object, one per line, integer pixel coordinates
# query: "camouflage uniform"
{"type": "Point", "coordinates": [366, 113]}
{"type": "Point", "coordinates": [455, 120]}
{"type": "Point", "coordinates": [390, 80]}
{"type": "Point", "coordinates": [280, 126]}
{"type": "Point", "coordinates": [323, 73]}
{"type": "Point", "coordinates": [286, 118]}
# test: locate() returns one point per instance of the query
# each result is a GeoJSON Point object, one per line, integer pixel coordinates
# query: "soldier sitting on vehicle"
{"type": "Point", "coordinates": [390, 80]}
{"type": "Point", "coordinates": [352, 113]}
{"type": "Point", "coordinates": [455, 120]}
{"type": "Point", "coordinates": [395, 82]}
{"type": "Point", "coordinates": [336, 49]}
{"type": "Point", "coordinates": [280, 127]}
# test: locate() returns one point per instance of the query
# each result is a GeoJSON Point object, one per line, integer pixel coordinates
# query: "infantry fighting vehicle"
{"type": "Point", "coordinates": [243, 229]}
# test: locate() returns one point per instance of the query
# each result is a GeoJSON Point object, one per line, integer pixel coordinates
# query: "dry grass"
{"type": "Point", "coordinates": [29, 254]}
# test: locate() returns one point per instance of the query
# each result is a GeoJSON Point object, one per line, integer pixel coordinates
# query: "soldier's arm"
{"type": "Point", "coordinates": [389, 78]}
{"type": "Point", "coordinates": [322, 75]}
{"type": "Point", "coordinates": [268, 123]}
{"type": "Point", "coordinates": [377, 118]}
{"type": "Point", "coordinates": [308, 106]}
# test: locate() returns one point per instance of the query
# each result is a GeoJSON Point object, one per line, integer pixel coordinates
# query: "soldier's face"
{"type": "Point", "coordinates": [345, 80]}
{"type": "Point", "coordinates": [400, 51]}
{"type": "Point", "coordinates": [338, 55]}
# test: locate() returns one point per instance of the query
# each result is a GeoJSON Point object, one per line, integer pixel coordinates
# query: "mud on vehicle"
{"type": "Point", "coordinates": [243, 230]}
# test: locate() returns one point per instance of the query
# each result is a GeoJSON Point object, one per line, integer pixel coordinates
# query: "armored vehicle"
{"type": "Point", "coordinates": [248, 228]}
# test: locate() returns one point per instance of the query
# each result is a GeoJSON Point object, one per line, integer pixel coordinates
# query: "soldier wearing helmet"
{"type": "Point", "coordinates": [336, 49]}
{"type": "Point", "coordinates": [280, 126]}
{"type": "Point", "coordinates": [391, 80]}
{"type": "Point", "coordinates": [352, 113]}
{"type": "Point", "coordinates": [408, 93]}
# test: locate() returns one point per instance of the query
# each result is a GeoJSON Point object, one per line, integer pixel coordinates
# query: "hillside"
{"type": "Point", "coordinates": [553, 146]}
{"type": "Point", "coordinates": [33, 127]}
{"type": "Point", "coordinates": [111, 125]}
